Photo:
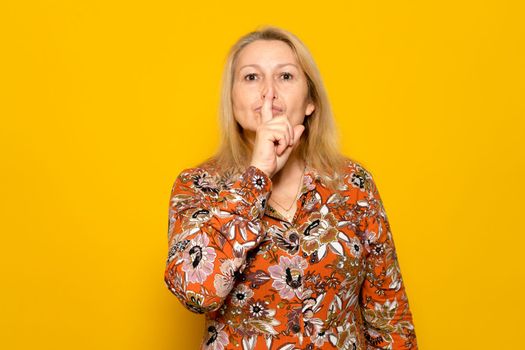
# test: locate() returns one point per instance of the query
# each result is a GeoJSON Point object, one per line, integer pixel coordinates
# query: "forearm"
{"type": "Point", "coordinates": [211, 231]}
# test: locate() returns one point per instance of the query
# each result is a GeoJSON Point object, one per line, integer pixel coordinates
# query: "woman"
{"type": "Point", "coordinates": [280, 240]}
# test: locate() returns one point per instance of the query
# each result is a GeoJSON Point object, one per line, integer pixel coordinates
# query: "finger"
{"type": "Point", "coordinates": [298, 131]}
{"type": "Point", "coordinates": [291, 131]}
{"type": "Point", "coordinates": [286, 152]}
{"type": "Point", "coordinates": [284, 130]}
{"type": "Point", "coordinates": [281, 148]}
{"type": "Point", "coordinates": [281, 138]}
{"type": "Point", "coordinates": [283, 120]}
{"type": "Point", "coordinates": [277, 132]}
{"type": "Point", "coordinates": [266, 109]}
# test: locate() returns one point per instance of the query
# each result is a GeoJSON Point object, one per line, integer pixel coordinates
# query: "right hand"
{"type": "Point", "coordinates": [275, 140]}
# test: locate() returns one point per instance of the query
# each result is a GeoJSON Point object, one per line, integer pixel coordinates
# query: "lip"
{"type": "Point", "coordinates": [274, 109]}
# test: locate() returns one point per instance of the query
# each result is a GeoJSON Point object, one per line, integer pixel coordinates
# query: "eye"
{"type": "Point", "coordinates": [250, 76]}
{"type": "Point", "coordinates": [287, 76]}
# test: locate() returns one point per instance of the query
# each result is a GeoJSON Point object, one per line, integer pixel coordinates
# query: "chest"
{"type": "Point", "coordinates": [323, 236]}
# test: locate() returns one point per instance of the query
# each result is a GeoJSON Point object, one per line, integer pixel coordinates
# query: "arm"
{"type": "Point", "coordinates": [387, 317]}
{"type": "Point", "coordinates": [211, 228]}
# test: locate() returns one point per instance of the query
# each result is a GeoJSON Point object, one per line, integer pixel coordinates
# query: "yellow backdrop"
{"type": "Point", "coordinates": [103, 103]}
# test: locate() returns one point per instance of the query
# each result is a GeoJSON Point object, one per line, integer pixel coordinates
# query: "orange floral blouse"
{"type": "Point", "coordinates": [330, 279]}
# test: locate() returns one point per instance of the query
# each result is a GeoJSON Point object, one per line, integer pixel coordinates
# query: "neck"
{"type": "Point", "coordinates": [290, 173]}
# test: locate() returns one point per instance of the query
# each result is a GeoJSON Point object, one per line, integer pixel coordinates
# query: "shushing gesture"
{"type": "Point", "coordinates": [275, 140]}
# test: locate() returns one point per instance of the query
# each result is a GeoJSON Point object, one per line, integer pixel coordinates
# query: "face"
{"type": "Point", "coordinates": [268, 67]}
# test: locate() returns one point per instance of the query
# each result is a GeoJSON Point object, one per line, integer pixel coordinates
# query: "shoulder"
{"type": "Point", "coordinates": [210, 176]}
{"type": "Point", "coordinates": [357, 175]}
{"type": "Point", "coordinates": [208, 167]}
{"type": "Point", "coordinates": [201, 175]}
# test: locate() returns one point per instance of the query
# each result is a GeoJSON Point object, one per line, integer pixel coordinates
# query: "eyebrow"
{"type": "Point", "coordinates": [278, 66]}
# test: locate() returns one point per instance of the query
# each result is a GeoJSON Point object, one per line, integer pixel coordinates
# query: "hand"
{"type": "Point", "coordinates": [275, 140]}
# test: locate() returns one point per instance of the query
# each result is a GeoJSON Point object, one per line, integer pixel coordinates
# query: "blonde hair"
{"type": "Point", "coordinates": [320, 144]}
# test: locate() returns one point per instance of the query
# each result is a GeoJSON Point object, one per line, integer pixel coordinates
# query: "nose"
{"type": "Point", "coordinates": [269, 90]}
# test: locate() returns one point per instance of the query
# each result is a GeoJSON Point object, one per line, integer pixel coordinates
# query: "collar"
{"type": "Point", "coordinates": [311, 180]}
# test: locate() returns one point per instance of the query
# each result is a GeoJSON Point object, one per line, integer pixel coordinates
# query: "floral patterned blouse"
{"type": "Point", "coordinates": [329, 279]}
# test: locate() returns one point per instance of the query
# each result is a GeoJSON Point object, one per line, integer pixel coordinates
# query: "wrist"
{"type": "Point", "coordinates": [262, 168]}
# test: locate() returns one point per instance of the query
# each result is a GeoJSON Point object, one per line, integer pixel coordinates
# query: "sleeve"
{"type": "Point", "coordinates": [387, 317]}
{"type": "Point", "coordinates": [212, 225]}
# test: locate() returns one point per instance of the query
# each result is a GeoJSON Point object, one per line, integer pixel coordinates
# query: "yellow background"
{"type": "Point", "coordinates": [103, 103]}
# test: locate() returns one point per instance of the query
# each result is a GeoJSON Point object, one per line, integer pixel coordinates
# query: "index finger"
{"type": "Point", "coordinates": [266, 109]}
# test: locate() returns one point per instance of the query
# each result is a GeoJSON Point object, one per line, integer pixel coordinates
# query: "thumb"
{"type": "Point", "coordinates": [298, 131]}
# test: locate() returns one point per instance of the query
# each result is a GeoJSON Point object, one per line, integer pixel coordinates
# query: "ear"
{"type": "Point", "coordinates": [310, 108]}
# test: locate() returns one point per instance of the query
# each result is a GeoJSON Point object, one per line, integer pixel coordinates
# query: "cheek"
{"type": "Point", "coordinates": [240, 99]}
{"type": "Point", "coordinates": [242, 112]}
{"type": "Point", "coordinates": [298, 102]}
{"type": "Point", "coordinates": [297, 95]}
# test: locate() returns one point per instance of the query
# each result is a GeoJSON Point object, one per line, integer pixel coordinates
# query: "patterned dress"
{"type": "Point", "coordinates": [330, 279]}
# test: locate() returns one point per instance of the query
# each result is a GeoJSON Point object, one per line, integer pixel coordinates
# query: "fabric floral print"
{"type": "Point", "coordinates": [217, 338]}
{"type": "Point", "coordinates": [328, 280]}
{"type": "Point", "coordinates": [288, 276]}
{"type": "Point", "coordinates": [198, 259]}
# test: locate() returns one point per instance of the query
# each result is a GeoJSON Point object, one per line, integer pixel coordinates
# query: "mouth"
{"type": "Point", "coordinates": [275, 110]}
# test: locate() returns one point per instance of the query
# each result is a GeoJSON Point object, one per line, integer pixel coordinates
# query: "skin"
{"type": "Point", "coordinates": [270, 102]}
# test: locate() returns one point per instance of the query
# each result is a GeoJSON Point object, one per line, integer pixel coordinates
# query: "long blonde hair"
{"type": "Point", "coordinates": [320, 146]}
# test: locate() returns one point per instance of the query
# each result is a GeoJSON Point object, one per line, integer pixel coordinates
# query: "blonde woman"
{"type": "Point", "coordinates": [279, 239]}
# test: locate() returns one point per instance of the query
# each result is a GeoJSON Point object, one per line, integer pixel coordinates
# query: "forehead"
{"type": "Point", "coordinates": [266, 53]}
